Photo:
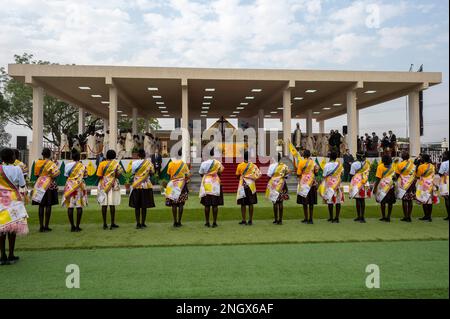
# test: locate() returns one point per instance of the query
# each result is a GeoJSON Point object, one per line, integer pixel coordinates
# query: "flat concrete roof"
{"type": "Point", "coordinates": [231, 88]}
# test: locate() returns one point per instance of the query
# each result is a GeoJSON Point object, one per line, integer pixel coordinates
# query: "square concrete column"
{"type": "Point", "coordinates": [309, 122]}
{"type": "Point", "coordinates": [112, 118]}
{"type": "Point", "coordinates": [352, 122]}
{"type": "Point", "coordinates": [261, 118]}
{"type": "Point", "coordinates": [322, 127]}
{"type": "Point", "coordinates": [286, 119]}
{"type": "Point", "coordinates": [134, 126]}
{"type": "Point", "coordinates": [38, 124]}
{"type": "Point", "coordinates": [414, 123]}
{"type": "Point", "coordinates": [81, 120]}
{"type": "Point", "coordinates": [185, 123]}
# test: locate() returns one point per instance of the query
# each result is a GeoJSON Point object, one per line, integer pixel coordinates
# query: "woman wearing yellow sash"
{"type": "Point", "coordinates": [277, 190]}
{"type": "Point", "coordinates": [141, 196]}
{"type": "Point", "coordinates": [444, 184]}
{"type": "Point", "coordinates": [359, 171]}
{"type": "Point", "coordinates": [247, 173]}
{"type": "Point", "coordinates": [384, 188]}
{"type": "Point", "coordinates": [405, 188]}
{"type": "Point", "coordinates": [330, 188]}
{"type": "Point", "coordinates": [109, 172]}
{"type": "Point", "coordinates": [45, 191]}
{"type": "Point", "coordinates": [211, 194]}
{"type": "Point", "coordinates": [176, 190]}
{"type": "Point", "coordinates": [13, 215]}
{"type": "Point", "coordinates": [75, 193]}
{"type": "Point", "coordinates": [22, 165]}
{"type": "Point", "coordinates": [307, 186]}
{"type": "Point", "coordinates": [425, 189]}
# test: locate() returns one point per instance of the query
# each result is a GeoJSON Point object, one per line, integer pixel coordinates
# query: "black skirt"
{"type": "Point", "coordinates": [142, 198]}
{"type": "Point", "coordinates": [211, 200]}
{"type": "Point", "coordinates": [311, 199]}
{"type": "Point", "coordinates": [390, 197]}
{"type": "Point", "coordinates": [249, 199]}
{"type": "Point", "coordinates": [181, 200]}
{"type": "Point", "coordinates": [50, 198]}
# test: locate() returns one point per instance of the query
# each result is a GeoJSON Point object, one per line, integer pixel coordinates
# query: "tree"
{"type": "Point", "coordinates": [4, 136]}
{"type": "Point", "coordinates": [125, 123]}
{"type": "Point", "coordinates": [59, 116]}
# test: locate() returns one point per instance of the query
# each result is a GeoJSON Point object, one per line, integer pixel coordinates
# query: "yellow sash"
{"type": "Point", "coordinates": [250, 175]}
{"type": "Point", "coordinates": [47, 173]}
{"type": "Point", "coordinates": [276, 182]}
{"type": "Point", "coordinates": [109, 176]}
{"type": "Point", "coordinates": [385, 184]}
{"type": "Point", "coordinates": [74, 181]}
{"type": "Point", "coordinates": [359, 180]}
{"type": "Point", "coordinates": [307, 179]}
{"type": "Point", "coordinates": [406, 179]}
{"type": "Point", "coordinates": [177, 181]}
{"type": "Point", "coordinates": [211, 181]}
{"type": "Point", "coordinates": [425, 185]}
{"type": "Point", "coordinates": [330, 183]}
{"type": "Point", "coordinates": [142, 175]}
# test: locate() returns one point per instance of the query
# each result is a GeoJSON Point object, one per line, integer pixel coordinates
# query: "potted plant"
{"type": "Point", "coordinates": [128, 176]}
{"type": "Point", "coordinates": [163, 183]}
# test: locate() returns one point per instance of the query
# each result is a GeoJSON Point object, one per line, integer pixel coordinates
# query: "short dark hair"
{"type": "Point", "coordinates": [16, 154]}
{"type": "Point", "coordinates": [111, 154]}
{"type": "Point", "coordinates": [307, 153]}
{"type": "Point", "coordinates": [386, 159]}
{"type": "Point", "coordinates": [333, 156]}
{"type": "Point", "coordinates": [76, 156]}
{"type": "Point", "coordinates": [141, 153]}
{"type": "Point", "coordinates": [7, 156]}
{"type": "Point", "coordinates": [426, 158]}
{"type": "Point", "coordinates": [405, 155]}
{"type": "Point", "coordinates": [46, 153]}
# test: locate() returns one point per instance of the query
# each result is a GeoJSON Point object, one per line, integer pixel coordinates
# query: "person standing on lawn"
{"type": "Point", "coordinates": [211, 194]}
{"type": "Point", "coordinates": [330, 189]}
{"type": "Point", "coordinates": [277, 190]}
{"type": "Point", "coordinates": [247, 173]}
{"type": "Point", "coordinates": [108, 172]}
{"type": "Point", "coordinates": [406, 188]}
{"type": "Point", "coordinates": [359, 171]}
{"type": "Point", "coordinates": [384, 188]}
{"type": "Point", "coordinates": [141, 197]}
{"type": "Point", "coordinates": [443, 186]}
{"type": "Point", "coordinates": [13, 214]}
{"type": "Point", "coordinates": [425, 190]}
{"type": "Point", "coordinates": [307, 186]}
{"type": "Point", "coordinates": [45, 191]}
{"type": "Point", "coordinates": [75, 192]}
{"type": "Point", "coordinates": [177, 190]}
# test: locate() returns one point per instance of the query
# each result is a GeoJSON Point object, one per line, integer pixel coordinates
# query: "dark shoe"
{"type": "Point", "coordinates": [105, 227]}
{"type": "Point", "coordinates": [138, 226]}
{"type": "Point", "coordinates": [175, 224]}
{"type": "Point", "coordinates": [404, 219]}
{"type": "Point", "coordinates": [4, 262]}
{"type": "Point", "coordinates": [362, 221]}
{"type": "Point", "coordinates": [280, 222]}
{"type": "Point", "coordinates": [446, 219]}
{"type": "Point", "coordinates": [207, 225]}
{"type": "Point", "coordinates": [335, 221]}
{"type": "Point", "coordinates": [143, 226]}
{"type": "Point", "coordinates": [73, 229]}
{"type": "Point", "coordinates": [310, 222]}
{"type": "Point", "coordinates": [214, 225]}
{"type": "Point", "coordinates": [330, 220]}
{"type": "Point", "coordinates": [78, 229]}
{"type": "Point", "coordinates": [47, 229]}
{"type": "Point", "coordinates": [387, 220]}
{"type": "Point", "coordinates": [382, 219]}
{"type": "Point", "coordinates": [357, 219]}
{"type": "Point", "coordinates": [42, 229]}
{"type": "Point", "coordinates": [243, 222]}
{"type": "Point", "coordinates": [409, 220]}
{"type": "Point", "coordinates": [114, 226]}
{"type": "Point", "coordinates": [13, 259]}
{"type": "Point", "coordinates": [424, 218]}
{"type": "Point", "coordinates": [249, 223]}
{"type": "Point", "coordinates": [275, 222]}
{"type": "Point", "coordinates": [305, 221]}
{"type": "Point", "coordinates": [180, 224]}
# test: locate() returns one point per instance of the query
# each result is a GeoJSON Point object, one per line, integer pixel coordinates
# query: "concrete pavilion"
{"type": "Point", "coordinates": [180, 93]}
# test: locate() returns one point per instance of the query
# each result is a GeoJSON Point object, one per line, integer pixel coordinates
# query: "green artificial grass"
{"type": "Point", "coordinates": [230, 211]}
{"type": "Point", "coordinates": [411, 269]}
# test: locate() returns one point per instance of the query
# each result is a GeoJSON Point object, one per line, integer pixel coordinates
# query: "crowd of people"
{"type": "Point", "coordinates": [374, 146]}
{"type": "Point", "coordinates": [402, 179]}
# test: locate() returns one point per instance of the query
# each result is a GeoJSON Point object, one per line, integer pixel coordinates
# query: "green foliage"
{"type": "Point", "coordinates": [4, 136]}
{"type": "Point", "coordinates": [125, 123]}
{"type": "Point", "coordinates": [373, 171]}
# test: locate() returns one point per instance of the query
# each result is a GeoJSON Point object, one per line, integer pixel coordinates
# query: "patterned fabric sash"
{"type": "Point", "coordinates": [211, 181]}
{"type": "Point", "coordinates": [307, 179]}
{"type": "Point", "coordinates": [142, 174]}
{"type": "Point", "coordinates": [176, 184]}
{"type": "Point", "coordinates": [8, 191]}
{"type": "Point", "coordinates": [360, 179]}
{"type": "Point", "coordinates": [74, 181]}
{"type": "Point", "coordinates": [385, 184]}
{"type": "Point", "coordinates": [331, 182]}
{"type": "Point", "coordinates": [109, 176]}
{"type": "Point", "coordinates": [276, 182]}
{"type": "Point", "coordinates": [250, 175]}
{"type": "Point", "coordinates": [406, 179]}
{"type": "Point", "coordinates": [425, 185]}
{"type": "Point", "coordinates": [46, 174]}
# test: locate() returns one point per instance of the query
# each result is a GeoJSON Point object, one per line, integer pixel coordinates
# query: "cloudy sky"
{"type": "Point", "coordinates": [298, 34]}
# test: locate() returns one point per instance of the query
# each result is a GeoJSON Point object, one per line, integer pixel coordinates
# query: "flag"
{"type": "Point", "coordinates": [295, 154]}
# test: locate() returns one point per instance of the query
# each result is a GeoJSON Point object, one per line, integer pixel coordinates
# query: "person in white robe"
{"type": "Point", "coordinates": [129, 145]}
{"type": "Point", "coordinates": [91, 146]}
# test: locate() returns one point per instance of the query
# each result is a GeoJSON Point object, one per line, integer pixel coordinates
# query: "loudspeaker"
{"type": "Point", "coordinates": [21, 143]}
{"type": "Point", "coordinates": [345, 130]}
